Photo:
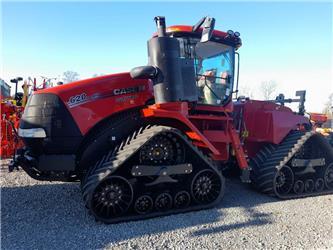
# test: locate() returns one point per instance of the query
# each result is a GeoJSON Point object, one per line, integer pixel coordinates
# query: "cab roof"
{"type": "Point", "coordinates": [218, 36]}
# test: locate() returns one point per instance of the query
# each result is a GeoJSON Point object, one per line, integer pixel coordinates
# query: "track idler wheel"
{"type": "Point", "coordinates": [163, 202]}
{"type": "Point", "coordinates": [182, 199]}
{"type": "Point", "coordinates": [284, 180]}
{"type": "Point", "coordinates": [298, 187]}
{"type": "Point", "coordinates": [112, 197]}
{"type": "Point", "coordinates": [309, 186]}
{"type": "Point", "coordinates": [328, 176]}
{"type": "Point", "coordinates": [206, 186]}
{"type": "Point", "coordinates": [144, 204]}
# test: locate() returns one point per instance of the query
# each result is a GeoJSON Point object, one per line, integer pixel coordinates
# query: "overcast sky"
{"type": "Point", "coordinates": [289, 43]}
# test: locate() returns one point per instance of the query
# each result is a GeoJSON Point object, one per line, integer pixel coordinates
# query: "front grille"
{"type": "Point", "coordinates": [47, 111]}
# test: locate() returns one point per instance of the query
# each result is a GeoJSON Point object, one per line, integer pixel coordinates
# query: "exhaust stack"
{"type": "Point", "coordinates": [173, 76]}
{"type": "Point", "coordinates": [160, 23]}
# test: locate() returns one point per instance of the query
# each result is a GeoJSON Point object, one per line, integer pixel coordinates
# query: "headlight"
{"type": "Point", "coordinates": [32, 133]}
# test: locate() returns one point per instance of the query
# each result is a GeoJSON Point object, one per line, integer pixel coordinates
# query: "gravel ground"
{"type": "Point", "coordinates": [45, 215]}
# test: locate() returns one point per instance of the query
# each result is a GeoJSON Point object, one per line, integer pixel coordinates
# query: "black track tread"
{"type": "Point", "coordinates": [259, 159]}
{"type": "Point", "coordinates": [265, 171]}
{"type": "Point", "coordinates": [108, 164]}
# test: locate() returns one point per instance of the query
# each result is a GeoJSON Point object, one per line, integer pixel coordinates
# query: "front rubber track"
{"type": "Point", "coordinates": [119, 161]}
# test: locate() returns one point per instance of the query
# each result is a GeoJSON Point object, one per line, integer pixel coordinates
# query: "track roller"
{"type": "Point", "coordinates": [163, 202]}
{"type": "Point", "coordinates": [309, 186]}
{"type": "Point", "coordinates": [144, 204]}
{"type": "Point", "coordinates": [319, 185]}
{"type": "Point", "coordinates": [298, 187]}
{"type": "Point", "coordinates": [328, 177]}
{"type": "Point", "coordinates": [182, 199]}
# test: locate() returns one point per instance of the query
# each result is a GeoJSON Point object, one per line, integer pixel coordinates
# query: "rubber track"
{"type": "Point", "coordinates": [109, 163]}
{"type": "Point", "coordinates": [267, 169]}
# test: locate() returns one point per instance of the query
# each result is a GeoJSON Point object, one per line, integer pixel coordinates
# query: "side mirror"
{"type": "Point", "coordinates": [144, 72]}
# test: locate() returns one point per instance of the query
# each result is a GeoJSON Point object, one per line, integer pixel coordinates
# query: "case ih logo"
{"type": "Point", "coordinates": [128, 90]}
{"type": "Point", "coordinates": [84, 98]}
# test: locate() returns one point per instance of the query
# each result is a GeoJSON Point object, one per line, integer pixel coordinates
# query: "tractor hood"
{"type": "Point", "coordinates": [90, 101]}
{"type": "Point", "coordinates": [97, 85]}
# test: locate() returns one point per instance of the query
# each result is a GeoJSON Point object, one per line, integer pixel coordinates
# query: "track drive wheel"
{"type": "Point", "coordinates": [162, 149]}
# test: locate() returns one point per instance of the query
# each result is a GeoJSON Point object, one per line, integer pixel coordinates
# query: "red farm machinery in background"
{"type": "Point", "coordinates": [318, 119]}
{"type": "Point", "coordinates": [322, 124]}
{"type": "Point", "coordinates": [158, 140]}
{"type": "Point", "coordinates": [10, 115]}
{"type": "Point", "coordinates": [11, 112]}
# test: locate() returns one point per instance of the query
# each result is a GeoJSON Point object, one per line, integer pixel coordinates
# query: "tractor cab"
{"type": "Point", "coordinates": [214, 69]}
{"type": "Point", "coordinates": [214, 61]}
{"type": "Point", "coordinates": [196, 63]}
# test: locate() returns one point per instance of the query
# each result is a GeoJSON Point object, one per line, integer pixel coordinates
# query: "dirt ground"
{"type": "Point", "coordinates": [51, 215]}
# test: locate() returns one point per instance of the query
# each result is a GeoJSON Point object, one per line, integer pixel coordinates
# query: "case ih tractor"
{"type": "Point", "coordinates": [156, 141]}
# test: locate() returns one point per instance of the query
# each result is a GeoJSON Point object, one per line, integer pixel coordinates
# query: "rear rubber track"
{"type": "Point", "coordinates": [270, 161]}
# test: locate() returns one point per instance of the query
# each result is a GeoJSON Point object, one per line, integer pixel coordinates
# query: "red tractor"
{"type": "Point", "coordinates": [156, 141]}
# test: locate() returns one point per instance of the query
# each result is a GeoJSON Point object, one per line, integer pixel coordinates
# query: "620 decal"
{"type": "Point", "coordinates": [77, 99]}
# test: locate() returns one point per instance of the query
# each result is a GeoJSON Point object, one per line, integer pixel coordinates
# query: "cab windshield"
{"type": "Point", "coordinates": [214, 67]}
